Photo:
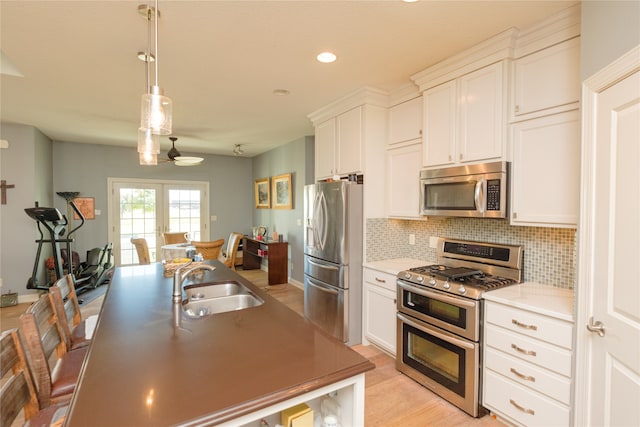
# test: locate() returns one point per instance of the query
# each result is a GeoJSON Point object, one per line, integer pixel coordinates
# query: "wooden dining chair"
{"type": "Point", "coordinates": [77, 331]}
{"type": "Point", "coordinates": [209, 250]}
{"type": "Point", "coordinates": [142, 249]}
{"type": "Point", "coordinates": [228, 257]}
{"type": "Point", "coordinates": [55, 370]}
{"type": "Point", "coordinates": [18, 393]}
{"type": "Point", "coordinates": [174, 237]}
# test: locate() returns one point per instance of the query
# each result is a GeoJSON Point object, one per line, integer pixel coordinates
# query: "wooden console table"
{"type": "Point", "coordinates": [276, 252]}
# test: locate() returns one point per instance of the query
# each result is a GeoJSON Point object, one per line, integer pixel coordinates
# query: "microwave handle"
{"type": "Point", "coordinates": [479, 195]}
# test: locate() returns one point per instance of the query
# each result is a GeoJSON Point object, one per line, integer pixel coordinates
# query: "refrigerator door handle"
{"type": "Point", "coordinates": [323, 288]}
{"type": "Point", "coordinates": [325, 266]}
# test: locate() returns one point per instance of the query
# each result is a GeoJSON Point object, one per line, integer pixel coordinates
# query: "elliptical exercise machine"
{"type": "Point", "coordinates": [54, 222]}
{"type": "Point", "coordinates": [99, 265]}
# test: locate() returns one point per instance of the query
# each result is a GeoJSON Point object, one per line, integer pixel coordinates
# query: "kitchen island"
{"type": "Point", "coordinates": [149, 365]}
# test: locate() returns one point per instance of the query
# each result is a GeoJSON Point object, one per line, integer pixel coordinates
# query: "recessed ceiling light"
{"type": "Point", "coordinates": [326, 57]}
{"type": "Point", "coordinates": [281, 92]}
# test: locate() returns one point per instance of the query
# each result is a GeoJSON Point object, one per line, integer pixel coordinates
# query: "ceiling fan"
{"type": "Point", "coordinates": [179, 160]}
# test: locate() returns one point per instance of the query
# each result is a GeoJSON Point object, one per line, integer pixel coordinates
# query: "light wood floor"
{"type": "Point", "coordinates": [391, 398]}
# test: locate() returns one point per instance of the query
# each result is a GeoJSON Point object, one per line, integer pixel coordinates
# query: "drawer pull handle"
{"type": "Point", "coordinates": [521, 408]}
{"type": "Point", "coordinates": [523, 376]}
{"type": "Point", "coordinates": [380, 280]}
{"type": "Point", "coordinates": [524, 325]}
{"type": "Point", "coordinates": [523, 351]}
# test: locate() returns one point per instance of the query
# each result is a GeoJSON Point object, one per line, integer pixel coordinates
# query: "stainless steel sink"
{"type": "Point", "coordinates": [205, 299]}
{"type": "Point", "coordinates": [208, 290]}
{"type": "Point", "coordinates": [197, 308]}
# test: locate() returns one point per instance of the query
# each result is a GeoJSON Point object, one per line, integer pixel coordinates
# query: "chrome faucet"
{"type": "Point", "coordinates": [179, 277]}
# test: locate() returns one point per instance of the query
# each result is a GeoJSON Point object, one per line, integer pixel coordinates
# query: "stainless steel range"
{"type": "Point", "coordinates": [440, 316]}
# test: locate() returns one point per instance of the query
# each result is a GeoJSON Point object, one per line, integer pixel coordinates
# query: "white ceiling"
{"type": "Point", "coordinates": [220, 61]}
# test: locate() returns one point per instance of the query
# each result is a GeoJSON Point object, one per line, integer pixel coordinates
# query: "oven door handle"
{"type": "Point", "coordinates": [426, 293]}
{"type": "Point", "coordinates": [432, 331]}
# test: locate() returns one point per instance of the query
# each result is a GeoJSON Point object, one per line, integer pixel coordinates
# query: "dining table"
{"type": "Point", "coordinates": [176, 250]}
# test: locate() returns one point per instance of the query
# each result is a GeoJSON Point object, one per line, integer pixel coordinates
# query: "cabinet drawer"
{"type": "Point", "coordinates": [522, 404]}
{"type": "Point", "coordinates": [537, 352]}
{"type": "Point", "coordinates": [385, 280]}
{"type": "Point", "coordinates": [524, 322]}
{"type": "Point", "coordinates": [529, 375]}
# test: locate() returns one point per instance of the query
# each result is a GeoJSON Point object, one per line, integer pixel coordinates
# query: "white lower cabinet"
{"type": "Point", "coordinates": [379, 308]}
{"type": "Point", "coordinates": [527, 366]}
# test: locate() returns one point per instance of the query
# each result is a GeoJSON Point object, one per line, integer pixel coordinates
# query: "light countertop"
{"type": "Point", "coordinates": [536, 297]}
{"type": "Point", "coordinates": [394, 266]}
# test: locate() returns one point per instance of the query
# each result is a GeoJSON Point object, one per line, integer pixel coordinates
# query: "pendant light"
{"type": "Point", "coordinates": [148, 142]}
{"type": "Point", "coordinates": [156, 108]}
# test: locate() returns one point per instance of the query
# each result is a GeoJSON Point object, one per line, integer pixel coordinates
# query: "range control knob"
{"type": "Point", "coordinates": [432, 281]}
{"type": "Point", "coordinates": [420, 279]}
{"type": "Point", "coordinates": [462, 289]}
{"type": "Point", "coordinates": [407, 275]}
{"type": "Point", "coordinates": [446, 285]}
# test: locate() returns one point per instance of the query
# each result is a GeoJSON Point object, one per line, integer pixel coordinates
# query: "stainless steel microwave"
{"type": "Point", "coordinates": [478, 190]}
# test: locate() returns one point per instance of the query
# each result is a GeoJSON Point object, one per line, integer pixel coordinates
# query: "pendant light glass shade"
{"type": "Point", "coordinates": [156, 112]}
{"type": "Point", "coordinates": [148, 142]}
{"type": "Point", "coordinates": [148, 159]}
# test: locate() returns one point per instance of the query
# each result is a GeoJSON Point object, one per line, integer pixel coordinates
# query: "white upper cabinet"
{"type": "Point", "coordinates": [464, 119]}
{"type": "Point", "coordinates": [338, 145]}
{"type": "Point", "coordinates": [439, 109]}
{"type": "Point", "coordinates": [545, 171]}
{"type": "Point", "coordinates": [349, 142]}
{"type": "Point", "coordinates": [405, 121]}
{"type": "Point", "coordinates": [403, 171]}
{"type": "Point", "coordinates": [325, 148]}
{"type": "Point", "coordinates": [547, 81]}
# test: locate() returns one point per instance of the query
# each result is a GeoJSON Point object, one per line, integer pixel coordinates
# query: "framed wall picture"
{"type": "Point", "coordinates": [262, 195]}
{"type": "Point", "coordinates": [86, 205]}
{"type": "Point", "coordinates": [281, 189]}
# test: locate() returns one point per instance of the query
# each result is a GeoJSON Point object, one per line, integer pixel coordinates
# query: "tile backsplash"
{"type": "Point", "coordinates": [549, 253]}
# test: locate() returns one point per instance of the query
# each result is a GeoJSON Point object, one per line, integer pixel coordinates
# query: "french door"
{"type": "Point", "coordinates": [148, 208]}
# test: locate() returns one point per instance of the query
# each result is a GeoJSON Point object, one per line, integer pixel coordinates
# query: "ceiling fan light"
{"type": "Point", "coordinates": [148, 159]}
{"type": "Point", "coordinates": [148, 142]}
{"type": "Point", "coordinates": [156, 112]}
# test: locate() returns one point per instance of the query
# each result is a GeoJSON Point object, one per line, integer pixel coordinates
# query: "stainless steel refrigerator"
{"type": "Point", "coordinates": [333, 258]}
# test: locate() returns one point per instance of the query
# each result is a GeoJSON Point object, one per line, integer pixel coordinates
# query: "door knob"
{"type": "Point", "coordinates": [597, 327]}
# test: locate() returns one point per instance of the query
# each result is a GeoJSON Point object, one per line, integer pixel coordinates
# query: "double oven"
{"type": "Point", "coordinates": [439, 319]}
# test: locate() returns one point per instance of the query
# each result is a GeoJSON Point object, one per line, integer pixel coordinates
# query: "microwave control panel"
{"type": "Point", "coordinates": [493, 195]}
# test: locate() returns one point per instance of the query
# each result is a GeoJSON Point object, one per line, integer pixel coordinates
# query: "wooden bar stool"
{"type": "Point", "coordinates": [77, 331]}
{"type": "Point", "coordinates": [18, 394]}
{"type": "Point", "coordinates": [55, 370]}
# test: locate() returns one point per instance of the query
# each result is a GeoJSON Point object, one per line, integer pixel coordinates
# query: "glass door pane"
{"type": "Point", "coordinates": [184, 210]}
{"type": "Point", "coordinates": [136, 215]}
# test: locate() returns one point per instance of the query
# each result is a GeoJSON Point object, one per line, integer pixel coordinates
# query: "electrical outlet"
{"type": "Point", "coordinates": [433, 242]}
{"type": "Point", "coordinates": [412, 239]}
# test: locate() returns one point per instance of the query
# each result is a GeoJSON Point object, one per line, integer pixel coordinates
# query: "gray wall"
{"type": "Point", "coordinates": [86, 167]}
{"type": "Point", "coordinates": [609, 29]}
{"type": "Point", "coordinates": [295, 158]}
{"type": "Point", "coordinates": [27, 165]}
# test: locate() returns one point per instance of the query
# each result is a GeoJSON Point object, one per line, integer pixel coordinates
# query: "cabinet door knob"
{"type": "Point", "coordinates": [517, 109]}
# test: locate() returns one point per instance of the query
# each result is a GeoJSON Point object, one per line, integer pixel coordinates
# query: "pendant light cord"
{"type": "Point", "coordinates": [156, 40]}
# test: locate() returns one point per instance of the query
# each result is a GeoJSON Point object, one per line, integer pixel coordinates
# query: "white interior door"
{"type": "Point", "coordinates": [147, 208]}
{"type": "Point", "coordinates": [608, 335]}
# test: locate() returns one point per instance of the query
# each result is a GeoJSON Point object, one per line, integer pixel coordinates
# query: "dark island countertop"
{"type": "Point", "coordinates": [149, 366]}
